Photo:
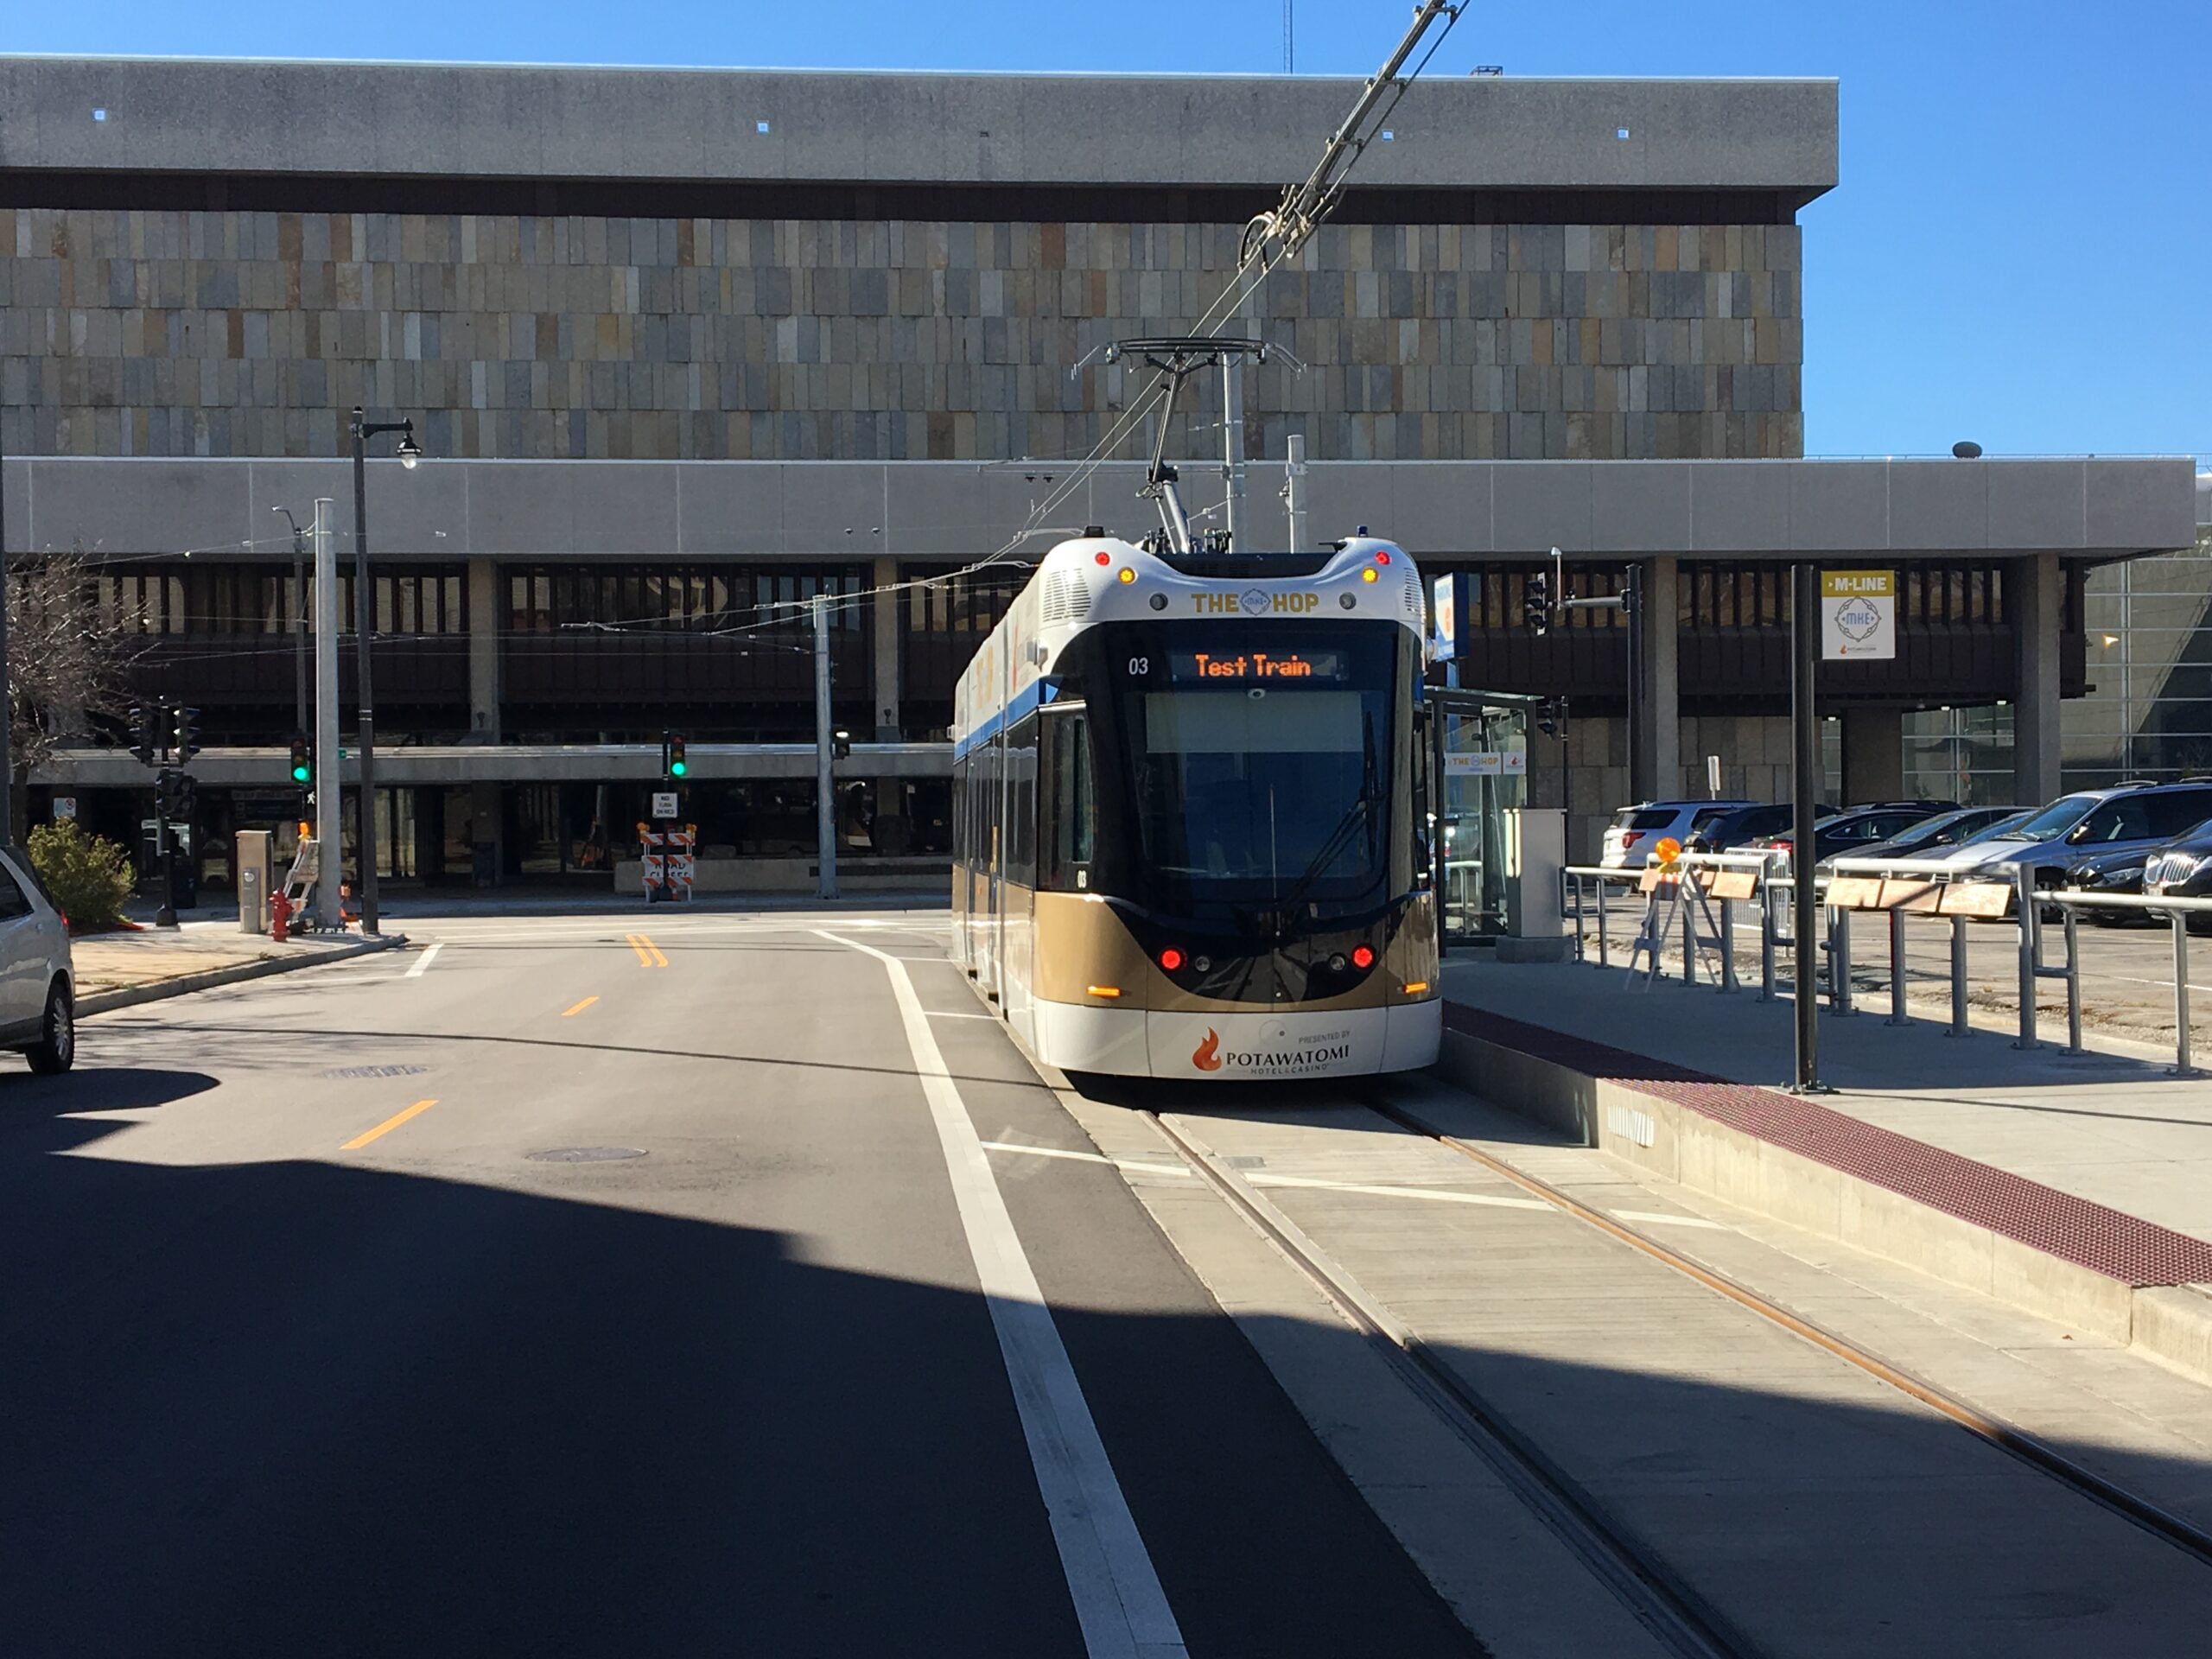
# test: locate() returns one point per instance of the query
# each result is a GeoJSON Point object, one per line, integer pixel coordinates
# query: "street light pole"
{"type": "Point", "coordinates": [825, 787]}
{"type": "Point", "coordinates": [325, 719]}
{"type": "Point", "coordinates": [364, 616]}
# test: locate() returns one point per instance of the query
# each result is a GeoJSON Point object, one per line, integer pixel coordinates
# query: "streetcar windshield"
{"type": "Point", "coordinates": [1262, 776]}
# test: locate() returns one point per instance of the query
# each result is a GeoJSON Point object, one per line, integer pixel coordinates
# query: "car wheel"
{"type": "Point", "coordinates": [56, 1050]}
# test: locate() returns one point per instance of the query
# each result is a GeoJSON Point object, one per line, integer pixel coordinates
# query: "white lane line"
{"type": "Point", "coordinates": [944, 1014]}
{"type": "Point", "coordinates": [1657, 1219]}
{"type": "Point", "coordinates": [1136, 1164]}
{"type": "Point", "coordinates": [1434, 1194]}
{"type": "Point", "coordinates": [1119, 1605]}
{"type": "Point", "coordinates": [422, 966]}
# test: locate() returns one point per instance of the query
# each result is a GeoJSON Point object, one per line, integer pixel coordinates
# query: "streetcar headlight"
{"type": "Point", "coordinates": [1201, 965]}
{"type": "Point", "coordinates": [1336, 963]}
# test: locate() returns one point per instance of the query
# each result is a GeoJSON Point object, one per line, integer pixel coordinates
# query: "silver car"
{"type": "Point", "coordinates": [37, 984]}
{"type": "Point", "coordinates": [2087, 825]}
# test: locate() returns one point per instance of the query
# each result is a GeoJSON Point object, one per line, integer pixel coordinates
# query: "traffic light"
{"type": "Point", "coordinates": [173, 794]}
{"type": "Point", "coordinates": [672, 760]}
{"type": "Point", "coordinates": [145, 730]}
{"type": "Point", "coordinates": [841, 745]}
{"type": "Point", "coordinates": [1536, 603]}
{"type": "Point", "coordinates": [186, 733]}
{"type": "Point", "coordinates": [303, 761]}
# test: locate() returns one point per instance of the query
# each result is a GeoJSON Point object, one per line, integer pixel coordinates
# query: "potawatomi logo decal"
{"type": "Point", "coordinates": [1207, 1055]}
{"type": "Point", "coordinates": [1288, 1056]}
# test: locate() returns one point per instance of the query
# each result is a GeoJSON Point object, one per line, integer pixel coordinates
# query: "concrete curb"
{"type": "Point", "coordinates": [132, 995]}
{"type": "Point", "coordinates": [2171, 1324]}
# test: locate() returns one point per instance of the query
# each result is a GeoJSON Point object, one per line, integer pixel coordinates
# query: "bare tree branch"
{"type": "Point", "coordinates": [69, 657]}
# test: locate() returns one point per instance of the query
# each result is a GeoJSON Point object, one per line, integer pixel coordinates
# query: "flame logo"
{"type": "Point", "coordinates": [1207, 1055]}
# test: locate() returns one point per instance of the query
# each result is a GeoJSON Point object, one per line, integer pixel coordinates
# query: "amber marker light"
{"type": "Point", "coordinates": [1128, 573]}
{"type": "Point", "coordinates": [1104, 990]}
{"type": "Point", "coordinates": [1415, 987]}
{"type": "Point", "coordinates": [1368, 574]}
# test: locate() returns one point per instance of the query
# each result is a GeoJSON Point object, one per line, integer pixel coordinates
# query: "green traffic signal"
{"type": "Point", "coordinates": [299, 774]}
{"type": "Point", "coordinates": [677, 768]}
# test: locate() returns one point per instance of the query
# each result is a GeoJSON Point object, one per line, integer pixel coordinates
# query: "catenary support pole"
{"type": "Point", "coordinates": [326, 718]}
{"type": "Point", "coordinates": [825, 796]}
{"type": "Point", "coordinates": [1232, 450]}
{"type": "Point", "coordinates": [1804, 785]}
{"type": "Point", "coordinates": [364, 625]}
{"type": "Point", "coordinates": [1294, 490]}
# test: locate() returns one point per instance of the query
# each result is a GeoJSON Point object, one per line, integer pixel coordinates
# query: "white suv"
{"type": "Point", "coordinates": [37, 987]}
{"type": "Point", "coordinates": [1635, 830]}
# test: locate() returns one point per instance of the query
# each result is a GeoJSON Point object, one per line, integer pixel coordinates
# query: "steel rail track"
{"type": "Point", "coordinates": [2159, 1521]}
{"type": "Point", "coordinates": [1660, 1598]}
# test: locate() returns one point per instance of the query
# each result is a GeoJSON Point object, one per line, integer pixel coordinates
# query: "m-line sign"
{"type": "Point", "coordinates": [1858, 615]}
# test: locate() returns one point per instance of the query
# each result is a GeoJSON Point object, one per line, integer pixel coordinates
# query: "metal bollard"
{"type": "Point", "coordinates": [1682, 885]}
{"type": "Point", "coordinates": [2073, 980]}
{"type": "Point", "coordinates": [1576, 877]}
{"type": "Point", "coordinates": [1766, 938]}
{"type": "Point", "coordinates": [1728, 982]}
{"type": "Point", "coordinates": [1602, 884]}
{"type": "Point", "coordinates": [1958, 1027]}
{"type": "Point", "coordinates": [1898, 1016]}
{"type": "Point", "coordinates": [2183, 1066]}
{"type": "Point", "coordinates": [1839, 961]}
{"type": "Point", "coordinates": [2031, 918]}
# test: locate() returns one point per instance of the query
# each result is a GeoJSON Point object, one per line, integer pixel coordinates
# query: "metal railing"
{"type": "Point", "coordinates": [2012, 895]}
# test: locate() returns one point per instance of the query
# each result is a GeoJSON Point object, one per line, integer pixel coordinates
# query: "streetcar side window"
{"type": "Point", "coordinates": [1071, 811]}
{"type": "Point", "coordinates": [1021, 804]}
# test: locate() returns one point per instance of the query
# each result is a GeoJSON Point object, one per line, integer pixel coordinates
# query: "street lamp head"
{"type": "Point", "coordinates": [410, 452]}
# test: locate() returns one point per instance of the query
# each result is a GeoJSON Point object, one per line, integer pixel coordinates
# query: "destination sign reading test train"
{"type": "Point", "coordinates": [1858, 614]}
{"type": "Point", "coordinates": [1256, 667]}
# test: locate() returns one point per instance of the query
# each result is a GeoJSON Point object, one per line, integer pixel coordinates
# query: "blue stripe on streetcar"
{"type": "Point", "coordinates": [1025, 701]}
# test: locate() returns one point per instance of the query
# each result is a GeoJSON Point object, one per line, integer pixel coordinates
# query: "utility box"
{"type": "Point", "coordinates": [1536, 853]}
{"type": "Point", "coordinates": [256, 868]}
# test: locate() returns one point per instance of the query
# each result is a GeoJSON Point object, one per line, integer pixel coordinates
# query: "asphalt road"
{"type": "Point", "coordinates": [333, 1324]}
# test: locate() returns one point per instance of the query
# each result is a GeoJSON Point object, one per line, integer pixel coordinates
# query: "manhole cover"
{"type": "Point", "coordinates": [374, 1071]}
{"type": "Point", "coordinates": [586, 1154]}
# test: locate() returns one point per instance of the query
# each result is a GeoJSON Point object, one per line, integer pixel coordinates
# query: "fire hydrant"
{"type": "Point", "coordinates": [279, 916]}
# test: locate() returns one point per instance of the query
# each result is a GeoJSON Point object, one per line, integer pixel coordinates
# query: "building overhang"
{"type": "Point", "coordinates": [2087, 508]}
{"type": "Point", "coordinates": [423, 766]}
{"type": "Point", "coordinates": [229, 117]}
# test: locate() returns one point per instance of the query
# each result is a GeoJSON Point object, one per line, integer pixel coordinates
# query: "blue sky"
{"type": "Point", "coordinates": [2020, 251]}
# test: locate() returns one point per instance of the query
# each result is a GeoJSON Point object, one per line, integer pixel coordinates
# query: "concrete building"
{"type": "Point", "coordinates": [688, 345]}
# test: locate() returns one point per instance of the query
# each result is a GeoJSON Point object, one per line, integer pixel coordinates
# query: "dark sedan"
{"type": "Point", "coordinates": [2182, 869]}
{"type": "Point", "coordinates": [1741, 826]}
{"type": "Point", "coordinates": [2110, 872]}
{"type": "Point", "coordinates": [1932, 836]}
{"type": "Point", "coordinates": [1867, 826]}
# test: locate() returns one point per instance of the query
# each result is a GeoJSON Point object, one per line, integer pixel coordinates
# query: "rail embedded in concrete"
{"type": "Point", "coordinates": [1899, 889]}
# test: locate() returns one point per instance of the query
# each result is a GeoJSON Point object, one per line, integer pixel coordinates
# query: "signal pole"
{"type": "Point", "coordinates": [825, 799]}
{"type": "Point", "coordinates": [7, 704]}
{"type": "Point", "coordinates": [325, 719]}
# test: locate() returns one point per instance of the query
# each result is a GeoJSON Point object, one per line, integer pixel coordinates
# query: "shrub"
{"type": "Point", "coordinates": [88, 875]}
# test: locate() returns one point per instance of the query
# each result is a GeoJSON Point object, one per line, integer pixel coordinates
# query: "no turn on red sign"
{"type": "Point", "coordinates": [1858, 614]}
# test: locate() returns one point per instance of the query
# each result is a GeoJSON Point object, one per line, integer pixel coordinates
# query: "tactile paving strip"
{"type": "Point", "coordinates": [2122, 1247]}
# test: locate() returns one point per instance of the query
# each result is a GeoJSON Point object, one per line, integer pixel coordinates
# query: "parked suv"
{"type": "Point", "coordinates": [37, 994]}
{"type": "Point", "coordinates": [1635, 830]}
{"type": "Point", "coordinates": [2089, 824]}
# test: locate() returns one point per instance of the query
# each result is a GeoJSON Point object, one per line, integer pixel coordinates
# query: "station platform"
{"type": "Point", "coordinates": [2078, 1187]}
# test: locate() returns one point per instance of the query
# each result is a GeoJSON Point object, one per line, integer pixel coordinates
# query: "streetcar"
{"type": "Point", "coordinates": [1190, 813]}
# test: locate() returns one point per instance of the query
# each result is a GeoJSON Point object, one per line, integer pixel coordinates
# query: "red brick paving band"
{"type": "Point", "coordinates": [2123, 1247]}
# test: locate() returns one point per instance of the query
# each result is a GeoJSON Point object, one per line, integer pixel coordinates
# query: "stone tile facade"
{"type": "Point", "coordinates": [247, 334]}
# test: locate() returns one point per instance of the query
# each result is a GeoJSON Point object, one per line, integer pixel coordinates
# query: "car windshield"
{"type": "Point", "coordinates": [2056, 819]}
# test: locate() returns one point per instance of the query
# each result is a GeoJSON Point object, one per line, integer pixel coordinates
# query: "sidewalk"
{"type": "Point", "coordinates": [119, 969]}
{"type": "Point", "coordinates": [2080, 1187]}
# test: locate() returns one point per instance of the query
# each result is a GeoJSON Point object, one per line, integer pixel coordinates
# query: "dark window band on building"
{"type": "Point", "coordinates": [697, 599]}
{"type": "Point", "coordinates": [203, 599]}
{"type": "Point", "coordinates": [342, 193]}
